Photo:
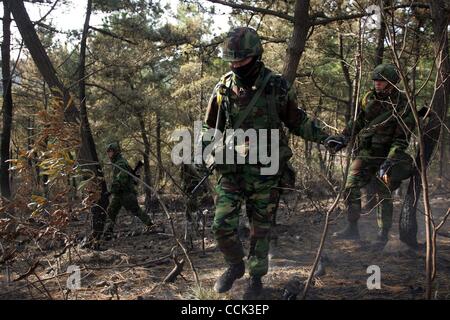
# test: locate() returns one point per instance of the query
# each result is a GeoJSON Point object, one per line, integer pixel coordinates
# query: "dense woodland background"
{"type": "Point", "coordinates": [137, 78]}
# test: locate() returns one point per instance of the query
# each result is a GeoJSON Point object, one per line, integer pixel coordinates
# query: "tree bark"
{"type": "Point", "coordinates": [432, 131]}
{"type": "Point", "coordinates": [158, 147]}
{"type": "Point", "coordinates": [40, 57]}
{"type": "Point", "coordinates": [7, 102]}
{"type": "Point", "coordinates": [379, 53]}
{"type": "Point", "coordinates": [43, 63]}
{"type": "Point", "coordinates": [147, 174]}
{"type": "Point", "coordinates": [298, 40]}
{"type": "Point", "coordinates": [90, 153]}
{"type": "Point", "coordinates": [348, 81]}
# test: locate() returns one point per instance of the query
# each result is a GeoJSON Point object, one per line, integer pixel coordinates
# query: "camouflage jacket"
{"type": "Point", "coordinates": [122, 182]}
{"type": "Point", "coordinates": [391, 135]}
{"type": "Point", "coordinates": [277, 92]}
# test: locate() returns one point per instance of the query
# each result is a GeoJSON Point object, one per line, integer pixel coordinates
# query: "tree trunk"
{"type": "Point", "coordinates": [432, 131]}
{"type": "Point", "coordinates": [370, 189]}
{"type": "Point", "coordinates": [40, 57]}
{"type": "Point", "coordinates": [298, 40]}
{"type": "Point", "coordinates": [443, 165]}
{"type": "Point", "coordinates": [7, 102]}
{"type": "Point", "coordinates": [147, 174]}
{"type": "Point", "coordinates": [43, 63]}
{"type": "Point", "coordinates": [32, 160]}
{"type": "Point", "coordinates": [379, 53]}
{"type": "Point", "coordinates": [87, 140]}
{"type": "Point", "coordinates": [44, 177]}
{"type": "Point", "coordinates": [348, 80]}
{"type": "Point", "coordinates": [158, 148]}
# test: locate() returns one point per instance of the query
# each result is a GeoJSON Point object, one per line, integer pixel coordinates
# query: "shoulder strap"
{"type": "Point", "coordinates": [243, 115]}
{"type": "Point", "coordinates": [272, 107]}
{"type": "Point", "coordinates": [371, 125]}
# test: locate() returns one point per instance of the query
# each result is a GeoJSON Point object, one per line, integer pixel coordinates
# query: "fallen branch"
{"type": "Point", "coordinates": [7, 256]}
{"type": "Point", "coordinates": [145, 264]}
{"type": "Point", "coordinates": [29, 272]}
{"type": "Point", "coordinates": [176, 271]}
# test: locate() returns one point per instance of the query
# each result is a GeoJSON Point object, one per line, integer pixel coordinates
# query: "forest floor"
{"type": "Point", "coordinates": [134, 266]}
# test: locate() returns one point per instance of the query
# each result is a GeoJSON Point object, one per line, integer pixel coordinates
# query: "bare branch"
{"type": "Point", "coordinates": [327, 94]}
{"type": "Point", "coordinates": [113, 35]}
{"type": "Point", "coordinates": [254, 9]}
{"type": "Point", "coordinates": [441, 224]}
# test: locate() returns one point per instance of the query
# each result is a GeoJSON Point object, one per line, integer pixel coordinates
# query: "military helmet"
{"type": "Point", "coordinates": [386, 72]}
{"type": "Point", "coordinates": [241, 43]}
{"type": "Point", "coordinates": [114, 146]}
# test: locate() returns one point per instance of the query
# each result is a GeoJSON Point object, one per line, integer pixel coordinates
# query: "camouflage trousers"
{"type": "Point", "coordinates": [261, 196]}
{"type": "Point", "coordinates": [364, 168]}
{"type": "Point", "coordinates": [129, 201]}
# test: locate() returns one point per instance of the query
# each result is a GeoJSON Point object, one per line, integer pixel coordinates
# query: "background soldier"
{"type": "Point", "coordinates": [276, 104]}
{"type": "Point", "coordinates": [122, 190]}
{"type": "Point", "coordinates": [383, 127]}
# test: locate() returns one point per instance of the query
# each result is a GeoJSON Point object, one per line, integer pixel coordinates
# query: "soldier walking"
{"type": "Point", "coordinates": [232, 105]}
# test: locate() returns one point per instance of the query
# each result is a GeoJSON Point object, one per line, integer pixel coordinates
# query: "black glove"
{"type": "Point", "coordinates": [335, 143]}
{"type": "Point", "coordinates": [384, 168]}
{"type": "Point", "coordinates": [107, 194]}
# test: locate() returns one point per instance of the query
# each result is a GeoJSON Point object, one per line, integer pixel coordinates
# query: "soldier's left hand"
{"type": "Point", "coordinates": [384, 168]}
{"type": "Point", "coordinates": [335, 143]}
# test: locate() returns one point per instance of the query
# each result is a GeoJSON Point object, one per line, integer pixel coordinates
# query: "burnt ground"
{"type": "Point", "coordinates": [134, 265]}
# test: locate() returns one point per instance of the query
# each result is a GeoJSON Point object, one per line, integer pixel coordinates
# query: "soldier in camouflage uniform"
{"type": "Point", "coordinates": [122, 191]}
{"type": "Point", "coordinates": [275, 107]}
{"type": "Point", "coordinates": [383, 127]}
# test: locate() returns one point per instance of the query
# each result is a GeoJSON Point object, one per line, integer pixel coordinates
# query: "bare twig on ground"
{"type": "Point", "coordinates": [176, 271]}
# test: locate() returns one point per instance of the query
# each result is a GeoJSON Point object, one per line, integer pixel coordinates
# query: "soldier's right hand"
{"type": "Point", "coordinates": [335, 143]}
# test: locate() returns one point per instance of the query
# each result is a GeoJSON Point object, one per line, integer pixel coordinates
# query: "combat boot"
{"type": "Point", "coordinates": [254, 288]}
{"type": "Point", "coordinates": [108, 234]}
{"type": "Point", "coordinates": [92, 242]}
{"type": "Point", "coordinates": [231, 274]}
{"type": "Point", "coordinates": [350, 232]}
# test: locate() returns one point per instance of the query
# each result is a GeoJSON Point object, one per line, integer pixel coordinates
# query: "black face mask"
{"type": "Point", "coordinates": [248, 73]}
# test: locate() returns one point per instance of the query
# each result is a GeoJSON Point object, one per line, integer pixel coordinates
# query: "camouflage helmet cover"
{"type": "Point", "coordinates": [386, 72]}
{"type": "Point", "coordinates": [114, 146]}
{"type": "Point", "coordinates": [241, 43]}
